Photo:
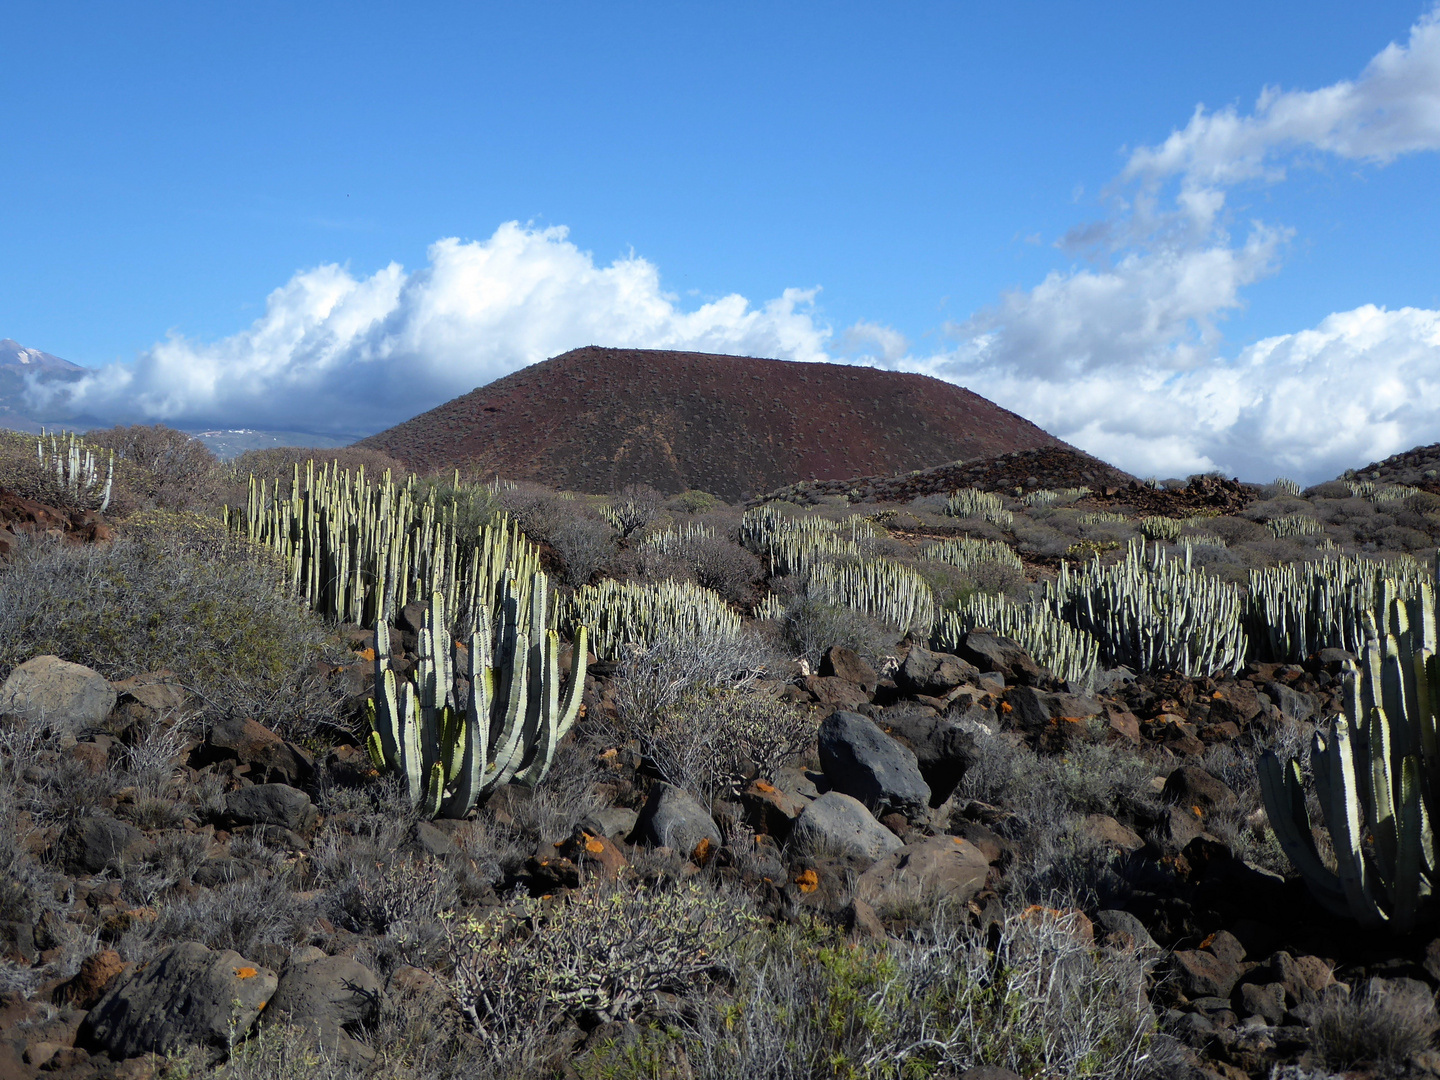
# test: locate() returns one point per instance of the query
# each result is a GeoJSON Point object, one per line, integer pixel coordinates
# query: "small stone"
{"type": "Point", "coordinates": [672, 818]}
{"type": "Point", "coordinates": [272, 804]}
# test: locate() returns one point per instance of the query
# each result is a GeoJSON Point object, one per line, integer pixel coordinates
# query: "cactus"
{"type": "Point", "coordinates": [674, 541]}
{"type": "Point", "coordinates": [764, 526]}
{"type": "Point", "coordinates": [882, 588]}
{"type": "Point", "coordinates": [1071, 654]}
{"type": "Point", "coordinates": [1153, 613]}
{"type": "Point", "coordinates": [966, 554]}
{"type": "Point", "coordinates": [76, 468]}
{"type": "Point", "coordinates": [1294, 611]}
{"type": "Point", "coordinates": [514, 715]}
{"type": "Point", "coordinates": [1102, 517]}
{"type": "Point", "coordinates": [352, 548]}
{"type": "Point", "coordinates": [623, 614]}
{"type": "Point", "coordinates": [1160, 528]}
{"type": "Point", "coordinates": [1393, 493]}
{"type": "Point", "coordinates": [974, 503]}
{"type": "Point", "coordinates": [1377, 777]}
{"type": "Point", "coordinates": [1283, 485]}
{"type": "Point", "coordinates": [1291, 525]}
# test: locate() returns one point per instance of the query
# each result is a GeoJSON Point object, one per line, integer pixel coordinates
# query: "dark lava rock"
{"type": "Point", "coordinates": [859, 759]}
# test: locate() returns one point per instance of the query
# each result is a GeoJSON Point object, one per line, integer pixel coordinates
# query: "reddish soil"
{"type": "Point", "coordinates": [19, 515]}
{"type": "Point", "coordinates": [597, 419]}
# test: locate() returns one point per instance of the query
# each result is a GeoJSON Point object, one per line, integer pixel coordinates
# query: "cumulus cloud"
{"type": "Point", "coordinates": [1121, 354]}
{"type": "Point", "coordinates": [337, 353]}
{"type": "Point", "coordinates": [1124, 356]}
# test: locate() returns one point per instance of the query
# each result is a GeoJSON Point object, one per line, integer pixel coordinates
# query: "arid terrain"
{"type": "Point", "coordinates": [863, 778]}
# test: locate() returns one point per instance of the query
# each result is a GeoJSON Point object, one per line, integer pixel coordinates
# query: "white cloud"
{"type": "Point", "coordinates": [337, 353]}
{"type": "Point", "coordinates": [1122, 356]}
{"type": "Point", "coordinates": [1362, 385]}
{"type": "Point", "coordinates": [1125, 358]}
{"type": "Point", "coordinates": [1393, 108]}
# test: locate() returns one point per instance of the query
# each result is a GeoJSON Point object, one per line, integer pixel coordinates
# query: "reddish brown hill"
{"type": "Point", "coordinates": [597, 419]}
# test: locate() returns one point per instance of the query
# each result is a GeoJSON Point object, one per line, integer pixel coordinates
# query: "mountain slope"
{"type": "Point", "coordinates": [596, 419]}
{"type": "Point", "coordinates": [17, 365]}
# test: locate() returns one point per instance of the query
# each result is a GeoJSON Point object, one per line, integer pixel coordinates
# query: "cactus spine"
{"type": "Point", "coordinates": [1377, 777]}
{"type": "Point", "coordinates": [514, 715]}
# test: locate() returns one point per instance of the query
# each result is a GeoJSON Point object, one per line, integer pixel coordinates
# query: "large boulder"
{"type": "Point", "coordinates": [90, 845]}
{"type": "Point", "coordinates": [46, 689]}
{"type": "Point", "coordinates": [186, 996]}
{"type": "Point", "coordinates": [842, 663]}
{"type": "Point", "coordinates": [332, 997]}
{"type": "Point", "coordinates": [272, 804]}
{"type": "Point", "coordinates": [672, 818]}
{"type": "Point", "coordinates": [859, 759]}
{"type": "Point", "coordinates": [943, 749]}
{"type": "Point", "coordinates": [270, 757]}
{"type": "Point", "coordinates": [944, 867]}
{"type": "Point", "coordinates": [837, 825]}
{"type": "Point", "coordinates": [1193, 788]}
{"type": "Point", "coordinates": [932, 674]}
{"type": "Point", "coordinates": [992, 652]}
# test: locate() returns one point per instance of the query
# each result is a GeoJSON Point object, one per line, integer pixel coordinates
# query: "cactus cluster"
{"type": "Point", "coordinates": [1069, 653]}
{"type": "Point", "coordinates": [1160, 527]}
{"type": "Point", "coordinates": [627, 613]}
{"type": "Point", "coordinates": [1377, 777]}
{"type": "Point", "coordinates": [966, 553]}
{"type": "Point", "coordinates": [1102, 517]}
{"type": "Point", "coordinates": [764, 526]}
{"type": "Point", "coordinates": [1393, 493]}
{"type": "Point", "coordinates": [673, 541]}
{"type": "Point", "coordinates": [1292, 525]}
{"type": "Point", "coordinates": [881, 588]}
{"type": "Point", "coordinates": [1045, 497]}
{"type": "Point", "coordinates": [452, 741]}
{"type": "Point", "coordinates": [1283, 485]}
{"type": "Point", "coordinates": [974, 503]}
{"type": "Point", "coordinates": [1153, 611]}
{"type": "Point", "coordinates": [1294, 611]}
{"type": "Point", "coordinates": [76, 468]}
{"type": "Point", "coordinates": [352, 548]}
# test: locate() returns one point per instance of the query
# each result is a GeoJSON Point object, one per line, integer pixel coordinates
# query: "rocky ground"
{"type": "Point", "coordinates": [882, 807]}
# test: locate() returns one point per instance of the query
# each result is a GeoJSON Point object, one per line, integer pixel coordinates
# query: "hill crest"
{"type": "Point", "coordinates": [595, 419]}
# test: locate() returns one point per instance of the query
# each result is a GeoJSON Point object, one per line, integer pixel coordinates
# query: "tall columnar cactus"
{"type": "Point", "coordinates": [513, 716]}
{"type": "Point", "coordinates": [965, 553]}
{"type": "Point", "coordinates": [77, 469]}
{"type": "Point", "coordinates": [1153, 612]}
{"type": "Point", "coordinates": [764, 528]}
{"type": "Point", "coordinates": [1294, 611]}
{"type": "Point", "coordinates": [882, 588]}
{"type": "Point", "coordinates": [625, 613]}
{"type": "Point", "coordinates": [1071, 654]}
{"type": "Point", "coordinates": [1377, 778]}
{"type": "Point", "coordinates": [974, 503]}
{"type": "Point", "coordinates": [352, 547]}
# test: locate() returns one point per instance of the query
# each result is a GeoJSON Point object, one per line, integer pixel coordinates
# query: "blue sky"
{"type": "Point", "coordinates": [237, 212]}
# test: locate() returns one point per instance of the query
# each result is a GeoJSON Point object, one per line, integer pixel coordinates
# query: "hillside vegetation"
{"type": "Point", "coordinates": [332, 768]}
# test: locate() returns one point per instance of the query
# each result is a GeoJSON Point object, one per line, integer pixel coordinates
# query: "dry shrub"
{"type": "Point", "coordinates": [811, 1003]}
{"type": "Point", "coordinates": [603, 953]}
{"type": "Point", "coordinates": [812, 626]}
{"type": "Point", "coordinates": [170, 469]}
{"type": "Point", "coordinates": [584, 545]}
{"type": "Point", "coordinates": [224, 626]}
{"type": "Point", "coordinates": [539, 511]}
{"type": "Point", "coordinates": [278, 462]}
{"type": "Point", "coordinates": [1385, 1023]}
{"type": "Point", "coordinates": [633, 509]}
